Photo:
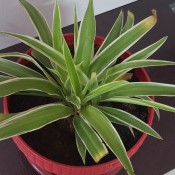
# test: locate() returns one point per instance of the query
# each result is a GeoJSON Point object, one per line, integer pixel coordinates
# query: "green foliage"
{"type": "Point", "coordinates": [83, 82]}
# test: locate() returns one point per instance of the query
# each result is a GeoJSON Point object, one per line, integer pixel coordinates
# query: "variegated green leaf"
{"type": "Point", "coordinates": [86, 37]}
{"type": "Point", "coordinates": [38, 21]}
{"type": "Point", "coordinates": [114, 32]}
{"type": "Point", "coordinates": [120, 69]}
{"type": "Point", "coordinates": [81, 148]}
{"type": "Point", "coordinates": [155, 109]}
{"type": "Point", "coordinates": [74, 79]}
{"type": "Point", "coordinates": [110, 54]}
{"type": "Point", "coordinates": [146, 52]}
{"type": "Point", "coordinates": [104, 89]}
{"type": "Point", "coordinates": [130, 120]}
{"type": "Point", "coordinates": [129, 23]}
{"type": "Point", "coordinates": [90, 139]}
{"type": "Point", "coordinates": [17, 70]}
{"type": "Point", "coordinates": [75, 29]}
{"type": "Point", "coordinates": [33, 119]}
{"type": "Point", "coordinates": [20, 84]}
{"type": "Point", "coordinates": [57, 32]}
{"type": "Point", "coordinates": [140, 55]}
{"type": "Point", "coordinates": [94, 85]}
{"type": "Point", "coordinates": [28, 58]}
{"type": "Point", "coordinates": [142, 102]}
{"type": "Point", "coordinates": [108, 133]}
{"type": "Point", "coordinates": [41, 47]}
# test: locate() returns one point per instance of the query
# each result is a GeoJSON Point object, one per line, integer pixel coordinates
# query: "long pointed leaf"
{"type": "Point", "coordinates": [33, 119]}
{"type": "Point", "coordinates": [28, 58]}
{"type": "Point", "coordinates": [57, 32]}
{"type": "Point", "coordinates": [129, 23]}
{"type": "Point", "coordinates": [38, 21]}
{"type": "Point", "coordinates": [142, 102]}
{"type": "Point", "coordinates": [94, 85]}
{"type": "Point", "coordinates": [75, 29]}
{"type": "Point", "coordinates": [20, 84]}
{"type": "Point", "coordinates": [143, 89]}
{"type": "Point", "coordinates": [17, 70]}
{"type": "Point", "coordinates": [155, 109]}
{"type": "Point", "coordinates": [72, 70]}
{"type": "Point", "coordinates": [140, 55]}
{"type": "Point", "coordinates": [104, 89]}
{"type": "Point", "coordinates": [81, 148]}
{"type": "Point", "coordinates": [108, 133]}
{"type": "Point", "coordinates": [41, 47]}
{"type": "Point", "coordinates": [110, 54]}
{"type": "Point", "coordinates": [90, 139]}
{"type": "Point", "coordinates": [124, 67]}
{"type": "Point", "coordinates": [130, 120]}
{"type": "Point", "coordinates": [114, 32]}
{"type": "Point", "coordinates": [86, 37]}
{"type": "Point", "coordinates": [146, 52]}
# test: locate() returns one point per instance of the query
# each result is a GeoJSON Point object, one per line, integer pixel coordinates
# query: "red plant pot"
{"type": "Point", "coordinates": [47, 167]}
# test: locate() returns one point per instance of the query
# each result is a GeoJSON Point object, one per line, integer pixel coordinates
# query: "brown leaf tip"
{"type": "Point", "coordinates": [154, 13]}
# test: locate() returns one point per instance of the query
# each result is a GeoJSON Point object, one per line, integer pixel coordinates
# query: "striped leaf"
{"type": "Point", "coordinates": [38, 21]}
{"type": "Point", "coordinates": [41, 47]}
{"type": "Point", "coordinates": [142, 102]}
{"type": "Point", "coordinates": [86, 35]}
{"type": "Point", "coordinates": [17, 70]}
{"type": "Point", "coordinates": [74, 79]}
{"type": "Point", "coordinates": [21, 84]}
{"type": "Point", "coordinates": [129, 22]}
{"type": "Point", "coordinates": [120, 69]}
{"type": "Point", "coordinates": [94, 85]}
{"type": "Point", "coordinates": [75, 29]}
{"type": "Point", "coordinates": [28, 58]}
{"type": "Point", "coordinates": [114, 33]}
{"type": "Point", "coordinates": [130, 120]}
{"type": "Point", "coordinates": [57, 32]}
{"type": "Point", "coordinates": [104, 89]}
{"type": "Point", "coordinates": [33, 119]}
{"type": "Point", "coordinates": [146, 52]}
{"type": "Point", "coordinates": [108, 133]}
{"type": "Point", "coordinates": [143, 89]}
{"type": "Point", "coordinates": [81, 148]}
{"type": "Point", "coordinates": [90, 139]}
{"type": "Point", "coordinates": [155, 109]}
{"type": "Point", "coordinates": [110, 54]}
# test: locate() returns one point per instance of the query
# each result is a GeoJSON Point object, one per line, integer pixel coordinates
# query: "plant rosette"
{"type": "Point", "coordinates": [43, 165]}
{"type": "Point", "coordinates": [81, 83]}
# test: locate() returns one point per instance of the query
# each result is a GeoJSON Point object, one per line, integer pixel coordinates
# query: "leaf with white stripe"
{"type": "Point", "coordinates": [11, 86]}
{"type": "Point", "coordinates": [129, 22]}
{"type": "Point", "coordinates": [74, 79]}
{"type": "Point", "coordinates": [114, 32]}
{"type": "Point", "coordinates": [86, 35]}
{"type": "Point", "coordinates": [90, 139]}
{"type": "Point", "coordinates": [38, 21]}
{"type": "Point", "coordinates": [108, 133]}
{"type": "Point", "coordinates": [33, 119]}
{"type": "Point", "coordinates": [142, 102]}
{"type": "Point", "coordinates": [57, 32]}
{"type": "Point", "coordinates": [130, 120]}
{"type": "Point", "coordinates": [110, 54]}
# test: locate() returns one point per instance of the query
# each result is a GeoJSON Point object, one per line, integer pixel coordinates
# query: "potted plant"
{"type": "Point", "coordinates": [86, 83]}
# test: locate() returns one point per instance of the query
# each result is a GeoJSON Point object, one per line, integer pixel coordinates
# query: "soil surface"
{"type": "Point", "coordinates": [56, 141]}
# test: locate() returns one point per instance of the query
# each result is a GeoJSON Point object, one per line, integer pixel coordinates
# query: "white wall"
{"type": "Point", "coordinates": [14, 19]}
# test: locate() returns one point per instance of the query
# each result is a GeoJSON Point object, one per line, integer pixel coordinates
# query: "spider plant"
{"type": "Point", "coordinates": [81, 82]}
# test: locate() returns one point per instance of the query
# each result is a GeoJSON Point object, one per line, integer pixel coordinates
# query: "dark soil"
{"type": "Point", "coordinates": [56, 141]}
